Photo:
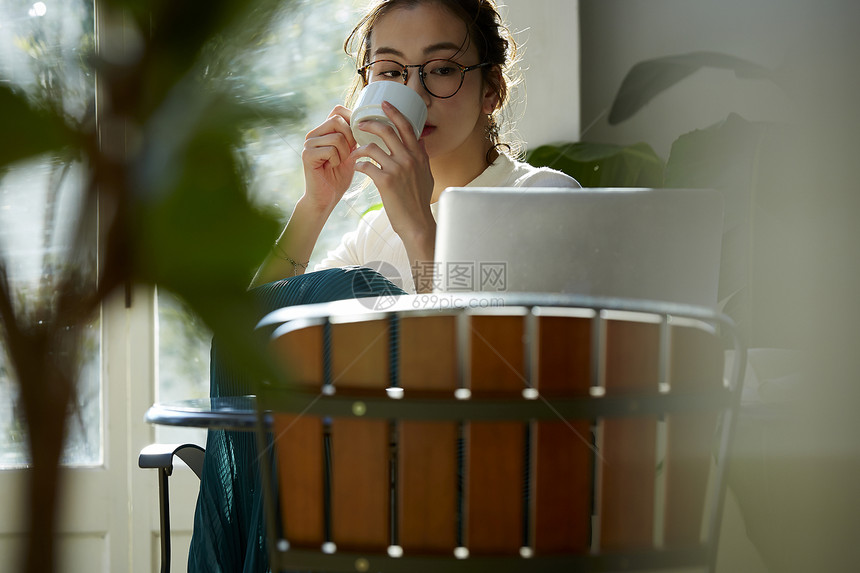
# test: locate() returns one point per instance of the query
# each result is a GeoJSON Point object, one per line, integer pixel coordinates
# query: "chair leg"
{"type": "Point", "coordinates": [164, 507]}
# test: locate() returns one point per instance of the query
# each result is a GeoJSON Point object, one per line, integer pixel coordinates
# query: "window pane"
{"type": "Point", "coordinates": [183, 363]}
{"type": "Point", "coordinates": [301, 63]}
{"type": "Point", "coordinates": [42, 48]}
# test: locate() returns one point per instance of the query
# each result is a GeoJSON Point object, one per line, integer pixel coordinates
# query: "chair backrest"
{"type": "Point", "coordinates": [530, 436]}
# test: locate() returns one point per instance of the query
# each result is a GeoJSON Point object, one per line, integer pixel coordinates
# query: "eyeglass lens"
{"type": "Point", "coordinates": [441, 78]}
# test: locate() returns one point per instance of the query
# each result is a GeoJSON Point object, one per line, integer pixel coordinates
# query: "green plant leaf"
{"type": "Point", "coordinates": [765, 199]}
{"type": "Point", "coordinates": [189, 222]}
{"type": "Point", "coordinates": [649, 78]}
{"type": "Point", "coordinates": [195, 221]}
{"type": "Point", "coordinates": [195, 231]}
{"type": "Point", "coordinates": [374, 207]}
{"type": "Point", "coordinates": [27, 131]}
{"type": "Point", "coordinates": [602, 164]}
{"type": "Point", "coordinates": [177, 35]}
{"type": "Point", "coordinates": [723, 156]}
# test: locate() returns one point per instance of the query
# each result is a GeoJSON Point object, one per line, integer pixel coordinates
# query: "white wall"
{"type": "Point", "coordinates": [618, 34]}
{"type": "Point", "coordinates": [548, 33]}
{"type": "Point", "coordinates": [796, 473]}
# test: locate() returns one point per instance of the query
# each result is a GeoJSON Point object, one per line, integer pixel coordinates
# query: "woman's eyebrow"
{"type": "Point", "coordinates": [384, 50]}
{"type": "Point", "coordinates": [387, 51]}
{"type": "Point", "coordinates": [442, 46]}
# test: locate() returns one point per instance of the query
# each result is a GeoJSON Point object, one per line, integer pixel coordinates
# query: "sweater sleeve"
{"type": "Point", "coordinates": [370, 241]}
{"type": "Point", "coordinates": [346, 253]}
{"type": "Point", "coordinates": [546, 177]}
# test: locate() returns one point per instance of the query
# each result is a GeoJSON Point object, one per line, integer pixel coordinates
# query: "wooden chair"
{"type": "Point", "coordinates": [518, 433]}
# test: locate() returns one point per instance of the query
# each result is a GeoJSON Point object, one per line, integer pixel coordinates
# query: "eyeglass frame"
{"type": "Point", "coordinates": [362, 71]}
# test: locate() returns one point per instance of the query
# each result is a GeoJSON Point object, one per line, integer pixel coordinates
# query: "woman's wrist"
{"type": "Point", "coordinates": [310, 206]}
{"type": "Point", "coordinates": [421, 239]}
{"type": "Point", "coordinates": [290, 254]}
{"type": "Point", "coordinates": [421, 250]}
{"type": "Point", "coordinates": [279, 252]}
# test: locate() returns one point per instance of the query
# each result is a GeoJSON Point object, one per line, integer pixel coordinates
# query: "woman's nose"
{"type": "Point", "coordinates": [413, 80]}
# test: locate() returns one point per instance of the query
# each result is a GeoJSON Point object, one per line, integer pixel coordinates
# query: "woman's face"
{"type": "Point", "coordinates": [455, 126]}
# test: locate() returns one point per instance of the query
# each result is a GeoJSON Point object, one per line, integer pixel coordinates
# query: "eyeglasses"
{"type": "Point", "coordinates": [441, 78]}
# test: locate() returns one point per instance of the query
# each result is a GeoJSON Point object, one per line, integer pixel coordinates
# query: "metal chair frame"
{"type": "Point", "coordinates": [160, 457]}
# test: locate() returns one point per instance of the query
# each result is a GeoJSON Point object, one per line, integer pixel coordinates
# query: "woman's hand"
{"type": "Point", "coordinates": [329, 168]}
{"type": "Point", "coordinates": [328, 161]}
{"type": "Point", "coordinates": [402, 177]}
{"type": "Point", "coordinates": [405, 184]}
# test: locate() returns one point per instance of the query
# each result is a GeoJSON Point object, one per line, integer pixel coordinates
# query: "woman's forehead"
{"type": "Point", "coordinates": [428, 29]}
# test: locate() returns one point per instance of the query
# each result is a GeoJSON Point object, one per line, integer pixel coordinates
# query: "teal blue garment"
{"type": "Point", "coordinates": [229, 534]}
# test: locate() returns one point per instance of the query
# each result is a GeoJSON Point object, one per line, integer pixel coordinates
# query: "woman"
{"type": "Point", "coordinates": [459, 146]}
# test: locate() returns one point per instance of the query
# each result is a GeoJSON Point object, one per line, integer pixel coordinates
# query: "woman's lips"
{"type": "Point", "coordinates": [428, 129]}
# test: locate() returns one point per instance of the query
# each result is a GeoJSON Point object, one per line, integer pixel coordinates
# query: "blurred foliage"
{"type": "Point", "coordinates": [764, 203]}
{"type": "Point", "coordinates": [173, 199]}
{"type": "Point", "coordinates": [59, 78]}
{"type": "Point", "coordinates": [744, 161]}
{"type": "Point", "coordinates": [649, 78]}
{"type": "Point", "coordinates": [602, 164]}
{"type": "Point", "coordinates": [740, 158]}
{"type": "Point", "coordinates": [288, 77]}
{"type": "Point", "coordinates": [33, 131]}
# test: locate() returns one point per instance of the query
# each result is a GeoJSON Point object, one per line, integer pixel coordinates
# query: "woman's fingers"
{"type": "Point", "coordinates": [405, 156]}
{"type": "Point", "coordinates": [384, 131]}
{"type": "Point", "coordinates": [331, 143]}
{"type": "Point", "coordinates": [407, 132]}
{"type": "Point", "coordinates": [333, 147]}
{"type": "Point", "coordinates": [403, 175]}
{"type": "Point", "coordinates": [381, 159]}
{"type": "Point", "coordinates": [337, 122]}
{"type": "Point", "coordinates": [401, 138]}
{"type": "Point", "coordinates": [342, 111]}
{"type": "Point", "coordinates": [319, 156]}
{"type": "Point", "coordinates": [369, 168]}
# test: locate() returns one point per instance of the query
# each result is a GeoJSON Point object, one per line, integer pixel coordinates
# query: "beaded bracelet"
{"type": "Point", "coordinates": [276, 249]}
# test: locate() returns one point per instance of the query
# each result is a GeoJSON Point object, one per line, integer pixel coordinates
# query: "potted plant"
{"type": "Point", "coordinates": [736, 156]}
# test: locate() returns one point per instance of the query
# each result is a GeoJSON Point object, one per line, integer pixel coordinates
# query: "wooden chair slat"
{"type": "Point", "coordinates": [627, 448]}
{"type": "Point", "coordinates": [494, 514]}
{"type": "Point", "coordinates": [696, 365]}
{"type": "Point", "coordinates": [360, 448]}
{"type": "Point", "coordinates": [427, 477]}
{"type": "Point", "coordinates": [562, 456]}
{"type": "Point", "coordinates": [427, 451]}
{"type": "Point", "coordinates": [299, 447]}
{"type": "Point", "coordinates": [495, 450]}
{"type": "Point", "coordinates": [359, 356]}
{"type": "Point", "coordinates": [564, 355]}
{"type": "Point", "coordinates": [298, 442]}
{"type": "Point", "coordinates": [300, 353]}
{"type": "Point", "coordinates": [428, 354]}
{"type": "Point", "coordinates": [497, 356]}
{"type": "Point", "coordinates": [360, 484]}
{"type": "Point", "coordinates": [562, 522]}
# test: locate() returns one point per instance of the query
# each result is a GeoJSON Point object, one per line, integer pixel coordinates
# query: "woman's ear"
{"type": "Point", "coordinates": [490, 97]}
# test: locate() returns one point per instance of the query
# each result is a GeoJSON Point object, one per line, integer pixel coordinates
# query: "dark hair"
{"type": "Point", "coordinates": [485, 29]}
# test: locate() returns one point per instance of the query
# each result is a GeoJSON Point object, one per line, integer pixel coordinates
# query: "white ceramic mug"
{"type": "Point", "coordinates": [368, 107]}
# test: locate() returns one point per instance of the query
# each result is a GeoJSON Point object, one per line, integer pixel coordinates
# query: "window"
{"type": "Point", "coordinates": [41, 51]}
